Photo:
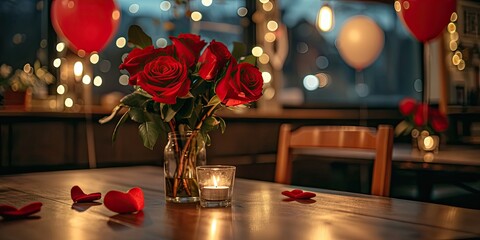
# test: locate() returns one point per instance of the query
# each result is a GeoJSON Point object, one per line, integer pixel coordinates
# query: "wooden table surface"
{"type": "Point", "coordinates": [259, 211]}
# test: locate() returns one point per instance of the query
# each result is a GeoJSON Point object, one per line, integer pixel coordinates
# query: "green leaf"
{"type": "Point", "coordinates": [214, 101]}
{"type": "Point", "coordinates": [249, 59]}
{"type": "Point", "coordinates": [149, 134]}
{"type": "Point", "coordinates": [120, 122]}
{"type": "Point", "coordinates": [187, 108]}
{"type": "Point", "coordinates": [138, 37]}
{"type": "Point", "coordinates": [209, 124]}
{"type": "Point", "coordinates": [239, 50]}
{"type": "Point", "coordinates": [223, 125]}
{"type": "Point", "coordinates": [137, 115]}
{"type": "Point", "coordinates": [135, 99]}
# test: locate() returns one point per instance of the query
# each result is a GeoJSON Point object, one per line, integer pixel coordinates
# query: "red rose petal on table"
{"type": "Point", "coordinates": [298, 194]}
{"type": "Point", "coordinates": [8, 211]}
{"type": "Point", "coordinates": [120, 202]}
{"type": "Point", "coordinates": [305, 195]}
{"type": "Point", "coordinates": [79, 196]}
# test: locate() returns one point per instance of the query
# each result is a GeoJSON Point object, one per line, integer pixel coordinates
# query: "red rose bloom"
{"type": "Point", "coordinates": [188, 47]}
{"type": "Point", "coordinates": [165, 79]}
{"type": "Point", "coordinates": [407, 106]}
{"type": "Point", "coordinates": [438, 121]}
{"type": "Point", "coordinates": [138, 58]}
{"type": "Point", "coordinates": [241, 84]}
{"type": "Point", "coordinates": [421, 113]}
{"type": "Point", "coordinates": [213, 59]}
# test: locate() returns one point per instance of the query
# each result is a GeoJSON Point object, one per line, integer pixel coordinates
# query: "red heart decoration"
{"type": "Point", "coordinates": [79, 196]}
{"type": "Point", "coordinates": [298, 194]}
{"type": "Point", "coordinates": [8, 211]}
{"type": "Point", "coordinates": [121, 202]}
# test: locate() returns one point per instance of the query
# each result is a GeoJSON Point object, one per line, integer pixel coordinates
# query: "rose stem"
{"type": "Point", "coordinates": [187, 144]}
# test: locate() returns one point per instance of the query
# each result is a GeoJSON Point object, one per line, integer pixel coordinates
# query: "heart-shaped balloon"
{"type": "Point", "coordinates": [85, 24]}
{"type": "Point", "coordinates": [8, 211]}
{"type": "Point", "coordinates": [121, 202]}
{"type": "Point", "coordinates": [425, 19]}
{"type": "Point", "coordinates": [79, 196]}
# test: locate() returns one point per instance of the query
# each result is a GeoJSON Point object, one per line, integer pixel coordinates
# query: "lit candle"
{"type": "Point", "coordinates": [215, 192]}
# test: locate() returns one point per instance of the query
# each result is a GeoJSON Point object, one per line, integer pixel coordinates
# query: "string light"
{"type": "Point", "coordinates": [325, 18]}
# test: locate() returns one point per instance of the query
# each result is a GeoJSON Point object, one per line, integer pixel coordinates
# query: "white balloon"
{"type": "Point", "coordinates": [360, 41]}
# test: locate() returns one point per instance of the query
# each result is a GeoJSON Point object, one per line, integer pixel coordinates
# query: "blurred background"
{"type": "Point", "coordinates": [310, 73]}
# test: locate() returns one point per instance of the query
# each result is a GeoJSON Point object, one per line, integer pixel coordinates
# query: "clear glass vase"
{"type": "Point", "coordinates": [183, 153]}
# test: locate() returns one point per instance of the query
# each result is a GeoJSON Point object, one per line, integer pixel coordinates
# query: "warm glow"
{"type": "Point", "coordinates": [323, 80]}
{"type": "Point", "coordinates": [270, 37]}
{"type": "Point", "coordinates": [116, 15]}
{"type": "Point", "coordinates": [81, 53]}
{"type": "Point", "coordinates": [453, 45]}
{"type": "Point", "coordinates": [196, 16]}
{"type": "Point", "coordinates": [428, 143]}
{"type": "Point", "coordinates": [78, 69]}
{"type": "Point", "coordinates": [57, 62]}
{"type": "Point", "coordinates": [68, 102]}
{"type": "Point", "coordinates": [264, 59]}
{"type": "Point", "coordinates": [94, 58]}
{"type": "Point", "coordinates": [455, 59]}
{"type": "Point", "coordinates": [264, 1]}
{"type": "Point", "coordinates": [461, 65]}
{"type": "Point", "coordinates": [267, 77]}
{"type": "Point", "coordinates": [27, 68]}
{"type": "Point", "coordinates": [454, 17]}
{"type": "Point", "coordinates": [269, 93]}
{"type": "Point", "coordinates": [86, 79]}
{"type": "Point", "coordinates": [325, 18]}
{"type": "Point", "coordinates": [397, 6]}
{"type": "Point", "coordinates": [97, 81]}
{"type": "Point", "coordinates": [207, 3]}
{"type": "Point", "coordinates": [406, 5]}
{"type": "Point", "coordinates": [272, 26]}
{"type": "Point", "coordinates": [215, 180]}
{"type": "Point", "coordinates": [268, 6]}
{"type": "Point", "coordinates": [61, 89]}
{"type": "Point", "coordinates": [121, 42]}
{"type": "Point", "coordinates": [257, 51]}
{"type": "Point", "coordinates": [60, 46]}
{"type": "Point", "coordinates": [451, 27]}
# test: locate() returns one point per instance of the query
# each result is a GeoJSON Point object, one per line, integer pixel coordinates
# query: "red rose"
{"type": "Point", "coordinates": [241, 84]}
{"type": "Point", "coordinates": [188, 47]}
{"type": "Point", "coordinates": [420, 115]}
{"type": "Point", "coordinates": [407, 106]}
{"type": "Point", "coordinates": [438, 120]}
{"type": "Point", "coordinates": [165, 79]}
{"type": "Point", "coordinates": [138, 58]}
{"type": "Point", "coordinates": [213, 59]}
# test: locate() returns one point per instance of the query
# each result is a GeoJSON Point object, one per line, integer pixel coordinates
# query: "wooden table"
{"type": "Point", "coordinates": [259, 211]}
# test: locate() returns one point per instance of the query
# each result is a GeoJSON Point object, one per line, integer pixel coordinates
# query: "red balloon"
{"type": "Point", "coordinates": [425, 19]}
{"type": "Point", "coordinates": [87, 25]}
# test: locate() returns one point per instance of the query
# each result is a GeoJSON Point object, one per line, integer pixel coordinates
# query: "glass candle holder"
{"type": "Point", "coordinates": [215, 183]}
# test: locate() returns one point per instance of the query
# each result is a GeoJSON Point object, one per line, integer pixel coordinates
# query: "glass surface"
{"type": "Point", "coordinates": [315, 75]}
{"type": "Point", "coordinates": [215, 183]}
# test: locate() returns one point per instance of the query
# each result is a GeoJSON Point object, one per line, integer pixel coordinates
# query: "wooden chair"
{"type": "Point", "coordinates": [379, 140]}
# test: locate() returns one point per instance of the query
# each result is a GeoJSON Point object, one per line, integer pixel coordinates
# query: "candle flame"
{"type": "Point", "coordinates": [215, 180]}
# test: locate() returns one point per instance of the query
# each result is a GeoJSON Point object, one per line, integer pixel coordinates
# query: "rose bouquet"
{"type": "Point", "coordinates": [420, 116]}
{"type": "Point", "coordinates": [179, 88]}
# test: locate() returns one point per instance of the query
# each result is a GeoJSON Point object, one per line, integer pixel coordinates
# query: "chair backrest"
{"type": "Point", "coordinates": [379, 140]}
